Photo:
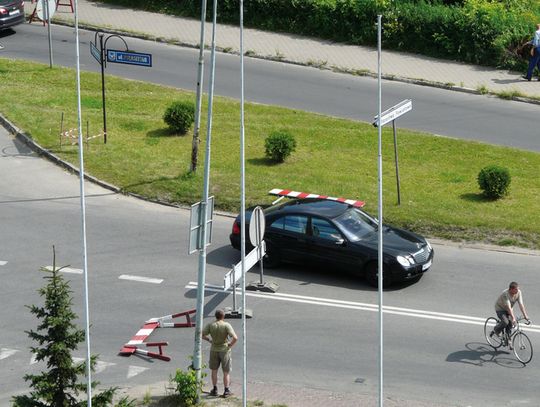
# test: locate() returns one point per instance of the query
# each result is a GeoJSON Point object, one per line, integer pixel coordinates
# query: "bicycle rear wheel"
{"type": "Point", "coordinates": [522, 347]}
{"type": "Point", "coordinates": [495, 341]}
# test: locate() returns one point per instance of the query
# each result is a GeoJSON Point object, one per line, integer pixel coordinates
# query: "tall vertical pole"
{"type": "Point", "coordinates": [243, 209]}
{"type": "Point", "coordinates": [396, 162]}
{"type": "Point", "coordinates": [380, 228]}
{"type": "Point", "coordinates": [48, 19]}
{"type": "Point", "coordinates": [83, 213]}
{"type": "Point", "coordinates": [200, 78]}
{"type": "Point", "coordinates": [102, 53]}
{"type": "Point", "coordinates": [204, 215]}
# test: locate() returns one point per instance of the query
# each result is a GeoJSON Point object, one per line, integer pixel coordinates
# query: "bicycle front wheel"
{"type": "Point", "coordinates": [495, 341]}
{"type": "Point", "coordinates": [522, 347]}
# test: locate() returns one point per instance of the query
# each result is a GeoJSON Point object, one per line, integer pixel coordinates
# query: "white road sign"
{"type": "Point", "coordinates": [394, 112]}
{"type": "Point", "coordinates": [257, 226]}
{"type": "Point", "coordinates": [249, 261]}
{"type": "Point", "coordinates": [40, 9]}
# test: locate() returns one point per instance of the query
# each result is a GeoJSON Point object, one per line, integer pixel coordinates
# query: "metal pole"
{"type": "Point", "coordinates": [101, 53]}
{"type": "Point", "coordinates": [83, 213]}
{"type": "Point", "coordinates": [397, 162]}
{"type": "Point", "coordinates": [198, 102]}
{"type": "Point", "coordinates": [380, 229]}
{"type": "Point", "coordinates": [48, 19]}
{"type": "Point", "coordinates": [243, 209]}
{"type": "Point", "coordinates": [204, 204]}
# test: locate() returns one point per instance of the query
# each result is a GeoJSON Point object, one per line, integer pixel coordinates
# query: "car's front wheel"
{"type": "Point", "coordinates": [372, 275]}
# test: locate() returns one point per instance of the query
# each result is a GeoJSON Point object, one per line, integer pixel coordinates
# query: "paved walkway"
{"type": "Point", "coordinates": [300, 50]}
{"type": "Point", "coordinates": [277, 395]}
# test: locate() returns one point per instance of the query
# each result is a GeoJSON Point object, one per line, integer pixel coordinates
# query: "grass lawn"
{"type": "Point", "coordinates": [439, 192]}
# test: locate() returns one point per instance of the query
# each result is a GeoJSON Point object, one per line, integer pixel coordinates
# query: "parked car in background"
{"type": "Point", "coordinates": [339, 235]}
{"type": "Point", "coordinates": [11, 13]}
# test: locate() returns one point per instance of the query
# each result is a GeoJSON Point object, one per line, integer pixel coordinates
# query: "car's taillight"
{"type": "Point", "coordinates": [235, 228]}
{"type": "Point", "coordinates": [3, 11]}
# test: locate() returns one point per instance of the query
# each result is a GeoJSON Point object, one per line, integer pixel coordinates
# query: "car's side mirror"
{"type": "Point", "coordinates": [339, 241]}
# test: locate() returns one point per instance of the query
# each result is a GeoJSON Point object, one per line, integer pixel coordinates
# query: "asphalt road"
{"type": "Point", "coordinates": [320, 330]}
{"type": "Point", "coordinates": [453, 114]}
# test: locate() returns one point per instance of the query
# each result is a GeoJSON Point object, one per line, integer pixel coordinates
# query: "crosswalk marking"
{"type": "Point", "coordinates": [134, 371]}
{"type": "Point", "coordinates": [66, 270]}
{"type": "Point", "coordinates": [141, 279]}
{"type": "Point", "coordinates": [3, 262]}
{"type": "Point", "coordinates": [6, 353]}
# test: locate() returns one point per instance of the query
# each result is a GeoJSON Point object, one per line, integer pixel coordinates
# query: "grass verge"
{"type": "Point", "coordinates": [440, 195]}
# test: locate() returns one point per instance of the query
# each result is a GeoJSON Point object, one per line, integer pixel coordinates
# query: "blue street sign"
{"type": "Point", "coordinates": [128, 57]}
{"type": "Point", "coordinates": [95, 52]}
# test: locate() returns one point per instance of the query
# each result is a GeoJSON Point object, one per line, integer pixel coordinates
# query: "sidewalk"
{"type": "Point", "coordinates": [277, 395]}
{"type": "Point", "coordinates": [301, 50]}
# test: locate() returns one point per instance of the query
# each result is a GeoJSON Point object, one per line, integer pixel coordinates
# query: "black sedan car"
{"type": "Point", "coordinates": [11, 13]}
{"type": "Point", "coordinates": [340, 235]}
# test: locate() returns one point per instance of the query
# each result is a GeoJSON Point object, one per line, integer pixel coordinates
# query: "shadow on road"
{"type": "Point", "coordinates": [307, 274]}
{"type": "Point", "coordinates": [480, 354]}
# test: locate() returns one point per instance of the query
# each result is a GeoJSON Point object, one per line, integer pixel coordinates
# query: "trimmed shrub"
{"type": "Point", "coordinates": [279, 145]}
{"type": "Point", "coordinates": [494, 181]}
{"type": "Point", "coordinates": [180, 116]}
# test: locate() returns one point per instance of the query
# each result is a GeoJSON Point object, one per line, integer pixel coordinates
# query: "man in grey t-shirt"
{"type": "Point", "coordinates": [503, 307]}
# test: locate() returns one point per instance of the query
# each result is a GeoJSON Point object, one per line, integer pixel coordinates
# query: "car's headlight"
{"type": "Point", "coordinates": [405, 261]}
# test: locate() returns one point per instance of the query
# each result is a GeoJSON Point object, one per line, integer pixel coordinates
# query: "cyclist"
{"type": "Point", "coordinates": [503, 308]}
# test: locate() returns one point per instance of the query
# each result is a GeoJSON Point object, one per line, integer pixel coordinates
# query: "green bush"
{"type": "Point", "coordinates": [180, 116]}
{"type": "Point", "coordinates": [279, 145]}
{"type": "Point", "coordinates": [187, 387]}
{"type": "Point", "coordinates": [483, 32]}
{"type": "Point", "coordinates": [494, 181]}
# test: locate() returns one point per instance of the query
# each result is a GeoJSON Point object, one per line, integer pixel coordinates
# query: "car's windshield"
{"type": "Point", "coordinates": [356, 224]}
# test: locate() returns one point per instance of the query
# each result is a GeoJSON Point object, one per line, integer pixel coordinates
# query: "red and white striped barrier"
{"type": "Point", "coordinates": [304, 195]}
{"type": "Point", "coordinates": [150, 326]}
{"type": "Point", "coordinates": [131, 349]}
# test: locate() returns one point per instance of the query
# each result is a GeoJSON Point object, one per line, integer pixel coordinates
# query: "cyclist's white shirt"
{"type": "Point", "coordinates": [507, 300]}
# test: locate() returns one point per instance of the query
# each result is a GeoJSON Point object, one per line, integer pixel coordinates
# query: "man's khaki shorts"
{"type": "Point", "coordinates": [220, 358]}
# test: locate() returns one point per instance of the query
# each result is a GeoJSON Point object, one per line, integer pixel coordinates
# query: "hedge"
{"type": "Point", "coordinates": [485, 32]}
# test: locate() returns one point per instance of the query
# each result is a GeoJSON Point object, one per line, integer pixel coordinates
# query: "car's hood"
{"type": "Point", "coordinates": [395, 241]}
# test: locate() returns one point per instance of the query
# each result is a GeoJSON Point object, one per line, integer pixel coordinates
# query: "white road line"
{"type": "Point", "coordinates": [6, 353]}
{"type": "Point", "coordinates": [66, 270]}
{"type": "Point", "coordinates": [3, 262]}
{"type": "Point", "coordinates": [134, 371]}
{"type": "Point", "coordinates": [328, 302]}
{"type": "Point", "coordinates": [101, 366]}
{"type": "Point", "coordinates": [141, 279]}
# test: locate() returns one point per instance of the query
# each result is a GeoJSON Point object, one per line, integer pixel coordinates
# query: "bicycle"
{"type": "Point", "coordinates": [521, 344]}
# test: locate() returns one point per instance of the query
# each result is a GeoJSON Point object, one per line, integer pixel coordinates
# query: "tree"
{"type": "Point", "coordinates": [57, 336]}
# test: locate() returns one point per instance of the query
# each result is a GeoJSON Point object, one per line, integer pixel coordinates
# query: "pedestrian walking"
{"type": "Point", "coordinates": [222, 337]}
{"type": "Point", "coordinates": [535, 54]}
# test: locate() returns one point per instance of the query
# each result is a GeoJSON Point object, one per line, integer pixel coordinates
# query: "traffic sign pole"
{"type": "Point", "coordinates": [102, 63]}
{"type": "Point", "coordinates": [380, 226]}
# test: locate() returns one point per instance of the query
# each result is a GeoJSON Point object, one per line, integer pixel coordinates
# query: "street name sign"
{"type": "Point", "coordinates": [95, 52]}
{"type": "Point", "coordinates": [393, 113]}
{"type": "Point", "coordinates": [129, 58]}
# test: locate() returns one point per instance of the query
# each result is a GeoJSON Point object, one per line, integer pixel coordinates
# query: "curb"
{"type": "Point", "coordinates": [38, 149]}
